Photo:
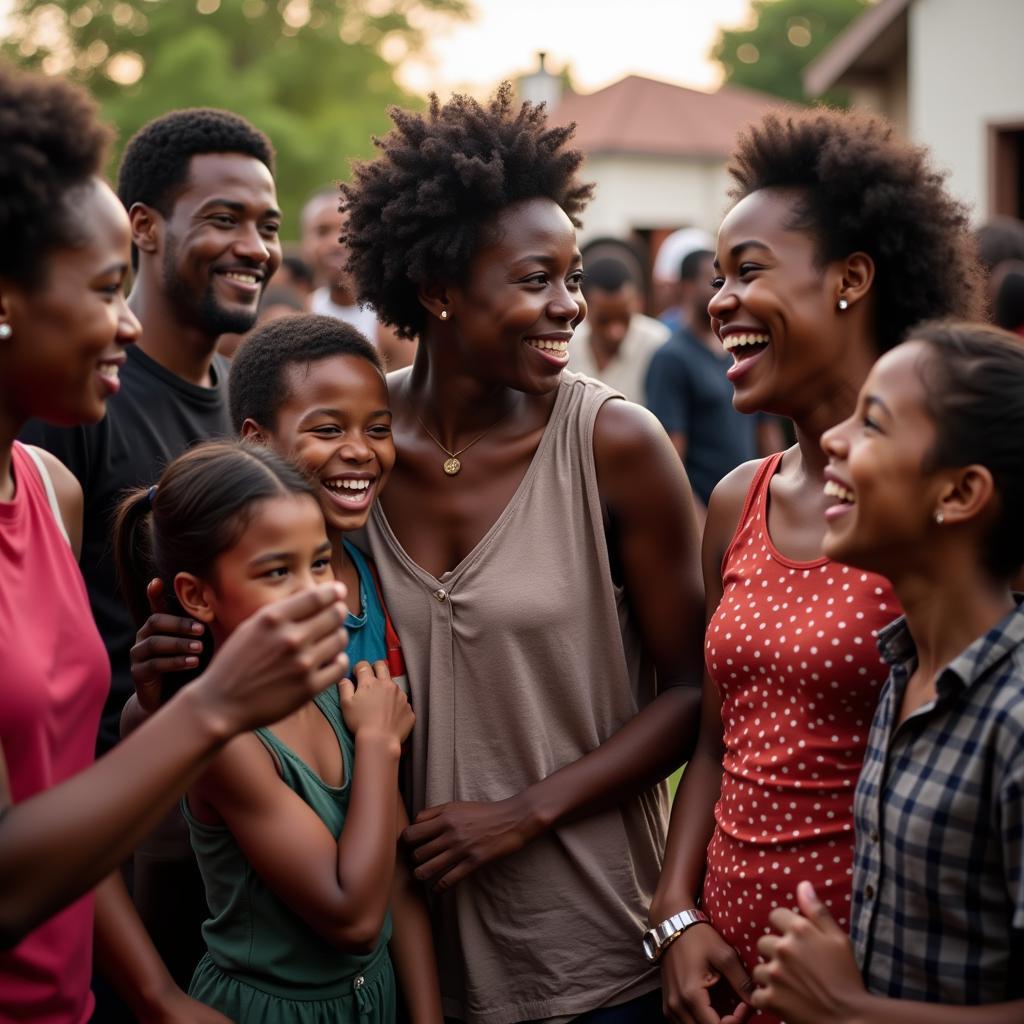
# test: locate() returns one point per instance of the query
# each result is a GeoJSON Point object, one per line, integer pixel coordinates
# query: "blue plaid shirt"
{"type": "Point", "coordinates": [938, 882]}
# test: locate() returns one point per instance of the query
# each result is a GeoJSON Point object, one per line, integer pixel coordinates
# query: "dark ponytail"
{"type": "Point", "coordinates": [974, 393]}
{"type": "Point", "coordinates": [133, 554]}
{"type": "Point", "coordinates": [198, 510]}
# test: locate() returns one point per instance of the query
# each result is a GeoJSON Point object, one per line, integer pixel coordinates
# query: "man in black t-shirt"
{"type": "Point", "coordinates": [199, 189]}
{"type": "Point", "coordinates": [200, 193]}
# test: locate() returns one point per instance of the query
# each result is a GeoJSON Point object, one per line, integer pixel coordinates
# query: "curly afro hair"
{"type": "Point", "coordinates": [50, 143]}
{"type": "Point", "coordinates": [256, 384]}
{"type": "Point", "coordinates": [155, 165]}
{"type": "Point", "coordinates": [415, 214]}
{"type": "Point", "coordinates": [862, 190]}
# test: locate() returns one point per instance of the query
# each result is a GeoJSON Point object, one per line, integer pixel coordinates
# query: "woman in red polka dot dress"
{"type": "Point", "coordinates": [830, 213]}
{"type": "Point", "coordinates": [791, 648]}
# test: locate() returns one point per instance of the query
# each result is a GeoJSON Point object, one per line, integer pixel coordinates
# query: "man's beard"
{"type": "Point", "coordinates": [207, 314]}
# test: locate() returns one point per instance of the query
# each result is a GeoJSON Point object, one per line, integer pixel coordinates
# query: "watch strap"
{"type": "Point", "coordinates": [661, 936]}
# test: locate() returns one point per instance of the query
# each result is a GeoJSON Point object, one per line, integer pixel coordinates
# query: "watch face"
{"type": "Point", "coordinates": [650, 949]}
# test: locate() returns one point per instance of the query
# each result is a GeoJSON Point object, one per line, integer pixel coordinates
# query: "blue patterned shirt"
{"type": "Point", "coordinates": [938, 883]}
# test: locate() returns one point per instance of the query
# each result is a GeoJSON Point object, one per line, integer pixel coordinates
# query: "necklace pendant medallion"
{"type": "Point", "coordinates": [452, 466]}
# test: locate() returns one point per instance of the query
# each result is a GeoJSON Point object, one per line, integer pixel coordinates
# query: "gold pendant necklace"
{"type": "Point", "coordinates": [452, 466]}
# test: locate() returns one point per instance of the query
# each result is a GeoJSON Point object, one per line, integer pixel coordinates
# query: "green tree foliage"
{"type": "Point", "coordinates": [316, 75]}
{"type": "Point", "coordinates": [785, 37]}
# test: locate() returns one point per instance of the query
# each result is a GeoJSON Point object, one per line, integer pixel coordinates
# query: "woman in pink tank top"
{"type": "Point", "coordinates": [814, 281]}
{"type": "Point", "coordinates": [66, 823]}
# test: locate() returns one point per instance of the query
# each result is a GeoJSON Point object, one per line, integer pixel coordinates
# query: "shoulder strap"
{"type": "Point", "coordinates": [51, 494]}
{"type": "Point", "coordinates": [761, 480]}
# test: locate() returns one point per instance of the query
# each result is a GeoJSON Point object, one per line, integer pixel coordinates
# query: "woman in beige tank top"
{"type": "Point", "coordinates": [538, 551]}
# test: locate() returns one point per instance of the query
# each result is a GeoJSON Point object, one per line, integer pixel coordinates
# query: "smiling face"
{"type": "Point", "coordinates": [336, 424]}
{"type": "Point", "coordinates": [221, 243]}
{"type": "Point", "coordinates": [884, 500]}
{"type": "Point", "coordinates": [68, 333]}
{"type": "Point", "coordinates": [774, 307]}
{"type": "Point", "coordinates": [514, 316]}
{"type": "Point", "coordinates": [282, 551]}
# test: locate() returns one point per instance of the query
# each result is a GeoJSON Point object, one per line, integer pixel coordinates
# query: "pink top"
{"type": "Point", "coordinates": [54, 677]}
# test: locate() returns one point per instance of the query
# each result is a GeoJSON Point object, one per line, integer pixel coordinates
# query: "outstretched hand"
{"type": "Point", "coordinates": [811, 974]}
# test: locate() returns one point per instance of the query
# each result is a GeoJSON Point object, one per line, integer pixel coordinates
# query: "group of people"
{"type": "Point", "coordinates": [401, 663]}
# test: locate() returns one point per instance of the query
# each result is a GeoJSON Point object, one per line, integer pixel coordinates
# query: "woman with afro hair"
{"type": "Point", "coordinates": [538, 548]}
{"type": "Point", "coordinates": [841, 238]}
{"type": "Point", "coordinates": [66, 824]}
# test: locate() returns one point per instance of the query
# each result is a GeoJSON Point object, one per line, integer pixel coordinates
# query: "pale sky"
{"type": "Point", "coordinates": [601, 40]}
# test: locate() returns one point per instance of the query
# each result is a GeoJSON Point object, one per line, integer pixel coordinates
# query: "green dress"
{"type": "Point", "coordinates": [264, 964]}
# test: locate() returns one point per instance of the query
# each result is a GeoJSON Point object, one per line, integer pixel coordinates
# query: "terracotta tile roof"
{"type": "Point", "coordinates": [640, 115]}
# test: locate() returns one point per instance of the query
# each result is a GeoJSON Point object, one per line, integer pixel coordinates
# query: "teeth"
{"type": "Point", "coordinates": [560, 348]}
{"type": "Point", "coordinates": [358, 486]}
{"type": "Point", "coordinates": [732, 341]}
{"type": "Point", "coordinates": [108, 370]}
{"type": "Point", "coordinates": [233, 275]}
{"type": "Point", "coordinates": [834, 490]}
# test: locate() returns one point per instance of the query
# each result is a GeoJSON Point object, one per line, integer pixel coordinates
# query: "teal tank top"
{"type": "Point", "coordinates": [366, 640]}
{"type": "Point", "coordinates": [251, 935]}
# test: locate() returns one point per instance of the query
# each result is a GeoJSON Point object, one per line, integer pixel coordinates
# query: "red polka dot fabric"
{"type": "Point", "coordinates": [792, 650]}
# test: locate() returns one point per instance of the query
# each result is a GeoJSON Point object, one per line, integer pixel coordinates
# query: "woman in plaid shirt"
{"type": "Point", "coordinates": [928, 482]}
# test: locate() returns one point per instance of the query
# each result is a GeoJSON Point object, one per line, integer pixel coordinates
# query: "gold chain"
{"type": "Point", "coordinates": [452, 465]}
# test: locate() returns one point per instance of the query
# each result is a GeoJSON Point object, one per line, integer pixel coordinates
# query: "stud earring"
{"type": "Point", "coordinates": [939, 518]}
{"type": "Point", "coordinates": [444, 314]}
{"type": "Point", "coordinates": [5, 331]}
{"type": "Point", "coordinates": [842, 304]}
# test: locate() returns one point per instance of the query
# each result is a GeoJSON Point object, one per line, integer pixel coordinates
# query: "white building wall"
{"type": "Point", "coordinates": [965, 71]}
{"type": "Point", "coordinates": [653, 192]}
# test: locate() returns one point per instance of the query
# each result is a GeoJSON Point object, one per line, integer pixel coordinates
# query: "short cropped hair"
{"type": "Point", "coordinates": [417, 212]}
{"type": "Point", "coordinates": [863, 190]}
{"type": "Point", "coordinates": [607, 275]}
{"type": "Point", "coordinates": [257, 386]}
{"type": "Point", "coordinates": [155, 166]}
{"type": "Point", "coordinates": [50, 144]}
{"type": "Point", "coordinates": [689, 269]}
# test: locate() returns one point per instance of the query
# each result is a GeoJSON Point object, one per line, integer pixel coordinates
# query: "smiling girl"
{"type": "Point", "coordinates": [312, 388]}
{"type": "Point", "coordinates": [927, 487]}
{"type": "Point", "coordinates": [841, 237]}
{"type": "Point", "coordinates": [294, 826]}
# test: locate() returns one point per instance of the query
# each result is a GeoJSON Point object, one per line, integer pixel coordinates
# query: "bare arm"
{"type": "Point", "coordinates": [412, 944]}
{"type": "Point", "coordinates": [58, 844]}
{"type": "Point", "coordinates": [340, 888]}
{"type": "Point", "coordinates": [700, 958]}
{"type": "Point", "coordinates": [126, 957]}
{"type": "Point", "coordinates": [651, 509]}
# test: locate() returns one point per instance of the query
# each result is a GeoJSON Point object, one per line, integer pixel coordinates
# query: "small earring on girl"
{"type": "Point", "coordinates": [842, 304]}
{"type": "Point", "coordinates": [5, 331]}
{"type": "Point", "coordinates": [939, 518]}
{"type": "Point", "coordinates": [444, 314]}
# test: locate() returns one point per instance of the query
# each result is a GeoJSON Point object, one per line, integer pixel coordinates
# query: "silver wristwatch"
{"type": "Point", "coordinates": [661, 936]}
